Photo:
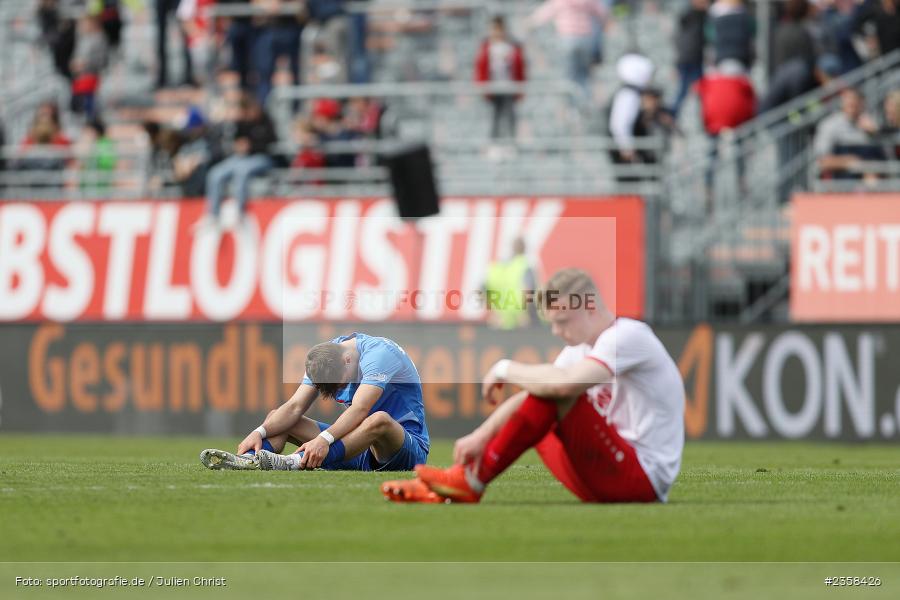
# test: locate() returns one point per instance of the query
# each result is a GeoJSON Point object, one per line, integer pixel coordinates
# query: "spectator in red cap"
{"type": "Point", "coordinates": [327, 108]}
{"type": "Point", "coordinates": [500, 59]}
{"type": "Point", "coordinates": [328, 124]}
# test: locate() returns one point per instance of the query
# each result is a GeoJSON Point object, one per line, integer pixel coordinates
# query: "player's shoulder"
{"type": "Point", "coordinates": [625, 331]}
{"type": "Point", "coordinates": [380, 349]}
{"type": "Point", "coordinates": [571, 354]}
{"type": "Point", "coordinates": [364, 341]}
{"type": "Point", "coordinates": [631, 325]}
{"type": "Point", "coordinates": [343, 338]}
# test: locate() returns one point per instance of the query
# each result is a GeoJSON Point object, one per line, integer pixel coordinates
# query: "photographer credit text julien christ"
{"type": "Point", "coordinates": [404, 298]}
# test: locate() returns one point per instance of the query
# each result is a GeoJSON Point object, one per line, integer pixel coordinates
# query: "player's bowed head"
{"type": "Point", "coordinates": [571, 303]}
{"type": "Point", "coordinates": [331, 366]}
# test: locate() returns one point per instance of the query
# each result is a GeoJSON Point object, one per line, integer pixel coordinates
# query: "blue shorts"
{"type": "Point", "coordinates": [413, 452]}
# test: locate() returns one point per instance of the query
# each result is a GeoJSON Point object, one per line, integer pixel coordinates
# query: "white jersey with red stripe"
{"type": "Point", "coordinates": [645, 400]}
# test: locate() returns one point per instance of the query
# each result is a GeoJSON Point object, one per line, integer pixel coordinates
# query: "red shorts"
{"type": "Point", "coordinates": [589, 457]}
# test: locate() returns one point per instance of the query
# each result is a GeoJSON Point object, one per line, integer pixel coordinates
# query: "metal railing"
{"type": "Point", "coordinates": [571, 166]}
{"type": "Point", "coordinates": [744, 239]}
{"type": "Point", "coordinates": [70, 173]}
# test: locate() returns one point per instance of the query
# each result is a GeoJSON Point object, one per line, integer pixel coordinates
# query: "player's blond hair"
{"type": "Point", "coordinates": [566, 283]}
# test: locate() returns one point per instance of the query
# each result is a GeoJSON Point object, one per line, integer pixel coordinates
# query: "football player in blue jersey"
{"type": "Point", "coordinates": [381, 429]}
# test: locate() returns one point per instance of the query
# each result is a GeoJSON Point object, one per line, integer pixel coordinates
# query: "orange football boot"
{"type": "Point", "coordinates": [449, 483]}
{"type": "Point", "coordinates": [410, 490]}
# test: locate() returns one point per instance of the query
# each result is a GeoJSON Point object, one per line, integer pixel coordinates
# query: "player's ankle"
{"type": "Point", "coordinates": [475, 484]}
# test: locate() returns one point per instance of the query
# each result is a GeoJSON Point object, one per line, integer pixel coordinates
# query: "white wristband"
{"type": "Point", "coordinates": [327, 437]}
{"type": "Point", "coordinates": [261, 431]}
{"type": "Point", "coordinates": [501, 368]}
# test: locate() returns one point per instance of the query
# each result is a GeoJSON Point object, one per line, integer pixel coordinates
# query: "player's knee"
{"type": "Point", "coordinates": [378, 422]}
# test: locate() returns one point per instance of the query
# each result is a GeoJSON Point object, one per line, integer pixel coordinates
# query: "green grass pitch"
{"type": "Point", "coordinates": [117, 500]}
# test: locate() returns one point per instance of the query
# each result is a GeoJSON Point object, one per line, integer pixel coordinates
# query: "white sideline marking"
{"type": "Point", "coordinates": [198, 486]}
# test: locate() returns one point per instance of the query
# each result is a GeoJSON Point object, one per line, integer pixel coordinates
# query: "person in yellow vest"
{"type": "Point", "coordinates": [506, 290]}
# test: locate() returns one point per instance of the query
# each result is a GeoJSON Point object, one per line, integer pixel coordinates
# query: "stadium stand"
{"type": "Point", "coordinates": [375, 73]}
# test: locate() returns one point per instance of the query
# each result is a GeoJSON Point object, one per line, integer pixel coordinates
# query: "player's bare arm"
{"type": "Point", "coordinates": [281, 419]}
{"type": "Point", "coordinates": [546, 380]}
{"type": "Point", "coordinates": [316, 449]}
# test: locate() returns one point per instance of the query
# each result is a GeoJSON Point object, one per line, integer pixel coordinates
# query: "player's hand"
{"type": "Point", "coordinates": [491, 387]}
{"type": "Point", "coordinates": [253, 441]}
{"type": "Point", "coordinates": [314, 452]}
{"type": "Point", "coordinates": [469, 449]}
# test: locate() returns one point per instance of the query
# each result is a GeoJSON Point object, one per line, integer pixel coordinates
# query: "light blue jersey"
{"type": "Point", "coordinates": [383, 363]}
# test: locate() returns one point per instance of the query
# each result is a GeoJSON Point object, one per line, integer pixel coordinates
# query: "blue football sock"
{"type": "Point", "coordinates": [335, 455]}
{"type": "Point", "coordinates": [266, 445]}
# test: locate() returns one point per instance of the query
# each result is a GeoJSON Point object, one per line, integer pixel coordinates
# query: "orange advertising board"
{"type": "Point", "coordinates": [845, 261]}
{"type": "Point", "coordinates": [305, 259]}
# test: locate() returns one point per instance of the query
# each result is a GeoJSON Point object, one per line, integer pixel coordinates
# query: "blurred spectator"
{"type": "Point", "coordinates": [326, 68]}
{"type": "Point", "coordinates": [309, 155]}
{"type": "Point", "coordinates": [309, 152]}
{"type": "Point", "coordinates": [2, 154]}
{"type": "Point", "coordinates": [347, 59]}
{"type": "Point", "coordinates": [728, 100]}
{"type": "Point", "coordinates": [239, 39]}
{"type": "Point", "coordinates": [152, 131]}
{"type": "Point", "coordinates": [44, 148]}
{"type": "Point", "coordinates": [879, 20]}
{"type": "Point", "coordinates": [328, 123]}
{"type": "Point", "coordinates": [792, 80]}
{"type": "Point", "coordinates": [835, 18]}
{"type": "Point", "coordinates": [731, 31]}
{"type": "Point", "coordinates": [91, 55]}
{"type": "Point", "coordinates": [194, 19]}
{"type": "Point", "coordinates": [689, 46]}
{"type": "Point", "coordinates": [635, 73]}
{"type": "Point", "coordinates": [795, 78]}
{"type": "Point", "coordinates": [891, 113]}
{"type": "Point", "coordinates": [500, 59]}
{"type": "Point", "coordinates": [250, 157]}
{"type": "Point", "coordinates": [277, 37]}
{"type": "Point", "coordinates": [889, 132]}
{"type": "Point", "coordinates": [578, 23]}
{"type": "Point", "coordinates": [164, 144]}
{"type": "Point", "coordinates": [58, 33]}
{"type": "Point", "coordinates": [792, 39]}
{"type": "Point", "coordinates": [508, 282]}
{"type": "Point", "coordinates": [654, 121]}
{"type": "Point", "coordinates": [99, 157]}
{"type": "Point", "coordinates": [166, 9]}
{"type": "Point", "coordinates": [843, 139]}
{"type": "Point", "coordinates": [359, 66]}
{"type": "Point", "coordinates": [198, 152]}
{"type": "Point", "coordinates": [110, 16]}
{"type": "Point", "coordinates": [46, 119]}
{"type": "Point", "coordinates": [363, 117]}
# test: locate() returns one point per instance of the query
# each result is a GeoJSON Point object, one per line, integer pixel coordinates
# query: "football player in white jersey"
{"type": "Point", "coordinates": [607, 417]}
